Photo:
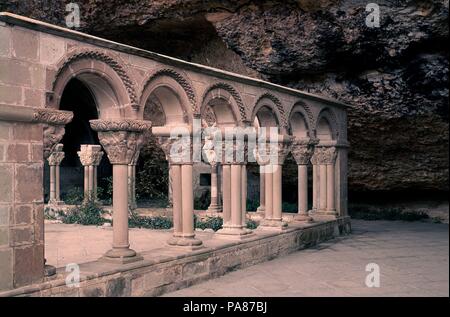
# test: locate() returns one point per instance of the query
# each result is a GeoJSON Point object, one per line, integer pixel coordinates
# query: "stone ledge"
{"type": "Point", "coordinates": [166, 269]}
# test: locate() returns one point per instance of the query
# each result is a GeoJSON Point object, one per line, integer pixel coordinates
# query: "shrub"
{"type": "Point", "coordinates": [251, 224]}
{"type": "Point", "coordinates": [88, 213]}
{"type": "Point", "coordinates": [252, 205]}
{"type": "Point", "coordinates": [202, 202]}
{"type": "Point", "coordinates": [289, 207]}
{"type": "Point", "coordinates": [214, 223]}
{"type": "Point", "coordinates": [74, 196]}
{"type": "Point", "coordinates": [136, 221]}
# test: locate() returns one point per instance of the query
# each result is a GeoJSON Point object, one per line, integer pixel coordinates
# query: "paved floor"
{"type": "Point", "coordinates": [413, 260]}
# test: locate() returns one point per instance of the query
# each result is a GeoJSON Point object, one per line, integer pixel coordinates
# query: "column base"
{"type": "Point", "coordinates": [303, 218]}
{"type": "Point", "coordinates": [326, 213]}
{"type": "Point", "coordinates": [54, 202]}
{"type": "Point", "coordinates": [190, 242]}
{"type": "Point", "coordinates": [272, 224]}
{"type": "Point", "coordinates": [214, 208]}
{"type": "Point", "coordinates": [235, 233]}
{"type": "Point", "coordinates": [260, 209]}
{"type": "Point", "coordinates": [121, 256]}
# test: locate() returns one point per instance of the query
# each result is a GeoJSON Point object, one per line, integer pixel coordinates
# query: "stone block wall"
{"type": "Point", "coordinates": [21, 204]}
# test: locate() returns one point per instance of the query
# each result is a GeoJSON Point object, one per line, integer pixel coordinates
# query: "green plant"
{"type": "Point", "coordinates": [202, 202]}
{"type": "Point", "coordinates": [136, 221]}
{"type": "Point", "coordinates": [104, 192]}
{"type": "Point", "coordinates": [87, 213]}
{"type": "Point", "coordinates": [289, 207]}
{"type": "Point", "coordinates": [214, 223]}
{"type": "Point", "coordinates": [251, 224]}
{"type": "Point", "coordinates": [74, 196]}
{"type": "Point", "coordinates": [252, 205]}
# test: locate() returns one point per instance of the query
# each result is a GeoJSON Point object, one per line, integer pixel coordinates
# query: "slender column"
{"type": "Point", "coordinates": [54, 161]}
{"type": "Point", "coordinates": [302, 151]}
{"type": "Point", "coordinates": [180, 175]}
{"type": "Point", "coordinates": [244, 193]}
{"type": "Point", "coordinates": [330, 163]}
{"type": "Point", "coordinates": [315, 176]}
{"type": "Point", "coordinates": [268, 176]}
{"type": "Point", "coordinates": [121, 140]}
{"type": "Point", "coordinates": [262, 194]}
{"type": "Point", "coordinates": [226, 192]}
{"type": "Point", "coordinates": [90, 157]}
{"type": "Point", "coordinates": [322, 187]}
{"type": "Point", "coordinates": [277, 193]}
{"type": "Point", "coordinates": [214, 206]}
{"type": "Point", "coordinates": [132, 181]}
{"type": "Point", "coordinates": [234, 226]}
{"type": "Point", "coordinates": [276, 152]}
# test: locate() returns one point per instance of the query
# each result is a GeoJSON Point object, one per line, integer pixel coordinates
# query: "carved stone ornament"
{"type": "Point", "coordinates": [90, 154]}
{"type": "Point", "coordinates": [56, 156]}
{"type": "Point", "coordinates": [302, 151]}
{"type": "Point", "coordinates": [176, 149]}
{"type": "Point", "coordinates": [324, 155]}
{"type": "Point", "coordinates": [54, 122]}
{"type": "Point", "coordinates": [121, 139]}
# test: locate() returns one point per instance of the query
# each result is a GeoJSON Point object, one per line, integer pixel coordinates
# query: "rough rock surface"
{"type": "Point", "coordinates": [395, 76]}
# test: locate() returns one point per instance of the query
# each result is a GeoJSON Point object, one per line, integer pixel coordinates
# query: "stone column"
{"type": "Point", "coordinates": [214, 206]}
{"type": "Point", "coordinates": [132, 181]}
{"type": "Point", "coordinates": [121, 140]}
{"type": "Point", "coordinates": [90, 157]}
{"type": "Point", "coordinates": [180, 174]}
{"type": "Point", "coordinates": [233, 192]}
{"type": "Point", "coordinates": [262, 194]}
{"type": "Point", "coordinates": [330, 159]}
{"type": "Point", "coordinates": [316, 181]}
{"type": "Point", "coordinates": [302, 151]}
{"type": "Point", "coordinates": [273, 159]}
{"type": "Point", "coordinates": [54, 161]}
{"type": "Point", "coordinates": [244, 194]}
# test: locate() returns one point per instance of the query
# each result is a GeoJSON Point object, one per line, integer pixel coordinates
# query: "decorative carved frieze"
{"type": "Point", "coordinates": [302, 150]}
{"type": "Point", "coordinates": [178, 150]}
{"type": "Point", "coordinates": [121, 139]}
{"type": "Point", "coordinates": [52, 135]}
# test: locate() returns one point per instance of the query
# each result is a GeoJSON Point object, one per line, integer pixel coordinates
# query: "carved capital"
{"type": "Point", "coordinates": [90, 154]}
{"type": "Point", "coordinates": [52, 116]}
{"type": "Point", "coordinates": [178, 150]}
{"type": "Point", "coordinates": [324, 155]}
{"type": "Point", "coordinates": [121, 139]}
{"type": "Point", "coordinates": [302, 150]}
{"type": "Point", "coordinates": [52, 135]}
{"type": "Point", "coordinates": [57, 155]}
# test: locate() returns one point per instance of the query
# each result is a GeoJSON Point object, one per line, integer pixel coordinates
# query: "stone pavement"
{"type": "Point", "coordinates": [413, 259]}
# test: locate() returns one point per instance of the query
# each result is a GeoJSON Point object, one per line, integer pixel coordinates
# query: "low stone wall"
{"type": "Point", "coordinates": [169, 269]}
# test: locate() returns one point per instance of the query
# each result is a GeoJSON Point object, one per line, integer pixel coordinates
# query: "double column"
{"type": "Point", "coordinates": [324, 159]}
{"type": "Point", "coordinates": [179, 151]}
{"type": "Point", "coordinates": [90, 157]}
{"type": "Point", "coordinates": [271, 160]}
{"type": "Point", "coordinates": [234, 190]}
{"type": "Point", "coordinates": [54, 161]}
{"type": "Point", "coordinates": [121, 140]}
{"type": "Point", "coordinates": [302, 151]}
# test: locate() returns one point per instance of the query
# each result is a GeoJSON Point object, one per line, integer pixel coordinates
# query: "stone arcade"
{"type": "Point", "coordinates": [38, 61]}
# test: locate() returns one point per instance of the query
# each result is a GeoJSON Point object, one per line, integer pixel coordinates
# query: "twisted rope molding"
{"type": "Point", "coordinates": [230, 89]}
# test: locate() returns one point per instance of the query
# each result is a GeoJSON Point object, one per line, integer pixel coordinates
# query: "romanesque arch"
{"type": "Point", "coordinates": [327, 127]}
{"type": "Point", "coordinates": [172, 93]}
{"type": "Point", "coordinates": [105, 76]}
{"type": "Point", "coordinates": [301, 121]}
{"type": "Point", "coordinates": [269, 111]}
{"type": "Point", "coordinates": [226, 104]}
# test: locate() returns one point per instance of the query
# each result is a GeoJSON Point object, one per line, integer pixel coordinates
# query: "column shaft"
{"type": "Point", "coordinates": [175, 175]}
{"type": "Point", "coordinates": [277, 193]}
{"type": "Point", "coordinates": [236, 195]}
{"type": "Point", "coordinates": [187, 198]}
{"type": "Point", "coordinates": [86, 182]}
{"type": "Point", "coordinates": [315, 189]}
{"type": "Point", "coordinates": [262, 194]}
{"type": "Point", "coordinates": [52, 183]}
{"type": "Point", "coordinates": [57, 183]}
{"type": "Point", "coordinates": [244, 193]}
{"type": "Point", "coordinates": [268, 176]}
{"type": "Point", "coordinates": [330, 189]}
{"type": "Point", "coordinates": [322, 187]}
{"type": "Point", "coordinates": [226, 192]}
{"type": "Point", "coordinates": [303, 189]}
